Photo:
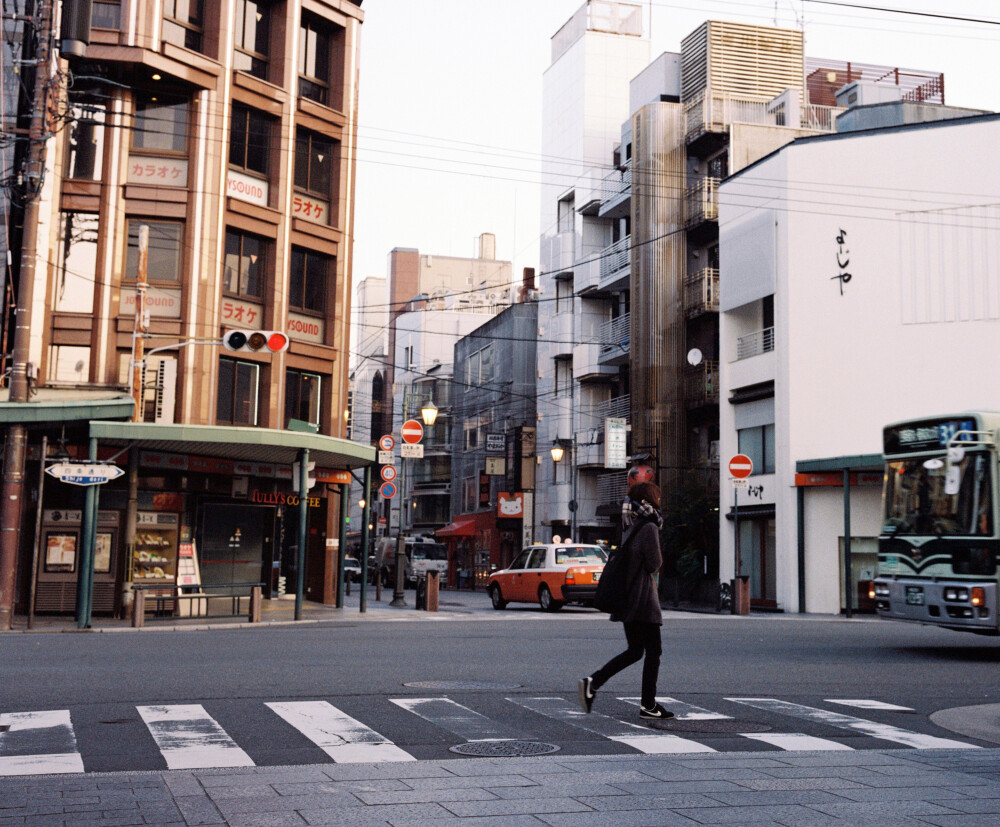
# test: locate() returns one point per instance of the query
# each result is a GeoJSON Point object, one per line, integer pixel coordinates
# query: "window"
{"type": "Point", "coordinates": [249, 140]}
{"type": "Point", "coordinates": [164, 259]}
{"type": "Point", "coordinates": [86, 141]}
{"type": "Point", "coordinates": [160, 124]}
{"type": "Point", "coordinates": [106, 14]}
{"type": "Point", "coordinates": [69, 363]}
{"type": "Point", "coordinates": [77, 262]}
{"type": "Point", "coordinates": [567, 215]}
{"type": "Point", "coordinates": [246, 258]}
{"type": "Point", "coordinates": [238, 388]}
{"type": "Point", "coordinates": [303, 396]}
{"type": "Point", "coordinates": [307, 280]}
{"type": "Point", "coordinates": [758, 444]}
{"type": "Point", "coordinates": [252, 31]}
{"type": "Point", "coordinates": [472, 371]}
{"type": "Point", "coordinates": [470, 498]}
{"type": "Point", "coordinates": [182, 23]}
{"type": "Point", "coordinates": [563, 377]}
{"type": "Point", "coordinates": [479, 368]}
{"type": "Point", "coordinates": [313, 163]}
{"type": "Point", "coordinates": [314, 59]}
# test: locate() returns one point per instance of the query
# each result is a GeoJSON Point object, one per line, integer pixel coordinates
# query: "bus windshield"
{"type": "Point", "coordinates": [429, 551]}
{"type": "Point", "coordinates": [916, 502]}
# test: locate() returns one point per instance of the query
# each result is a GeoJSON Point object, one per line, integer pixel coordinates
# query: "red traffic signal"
{"type": "Point", "coordinates": [256, 341]}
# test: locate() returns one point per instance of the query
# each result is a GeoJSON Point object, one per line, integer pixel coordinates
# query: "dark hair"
{"type": "Point", "coordinates": [648, 491]}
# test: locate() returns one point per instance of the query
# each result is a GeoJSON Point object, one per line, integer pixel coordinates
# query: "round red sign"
{"type": "Point", "coordinates": [741, 466]}
{"type": "Point", "coordinates": [388, 473]}
{"type": "Point", "coordinates": [387, 443]}
{"type": "Point", "coordinates": [412, 432]}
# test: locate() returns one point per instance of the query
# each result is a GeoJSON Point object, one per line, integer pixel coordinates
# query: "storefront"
{"type": "Point", "coordinates": [483, 541]}
{"type": "Point", "coordinates": [199, 507]}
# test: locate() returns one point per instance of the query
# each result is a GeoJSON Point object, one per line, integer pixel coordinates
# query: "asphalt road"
{"type": "Point", "coordinates": [359, 667]}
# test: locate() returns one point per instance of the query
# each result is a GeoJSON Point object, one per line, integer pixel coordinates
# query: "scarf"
{"type": "Point", "coordinates": [632, 511]}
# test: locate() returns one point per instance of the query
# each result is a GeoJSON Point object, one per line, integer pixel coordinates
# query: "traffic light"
{"type": "Point", "coordinates": [297, 475]}
{"type": "Point", "coordinates": [255, 341]}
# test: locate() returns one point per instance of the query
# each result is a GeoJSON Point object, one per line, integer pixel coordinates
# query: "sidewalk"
{"type": "Point", "coordinates": [886, 788]}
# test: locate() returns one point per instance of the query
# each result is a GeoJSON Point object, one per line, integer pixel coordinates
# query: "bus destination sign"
{"type": "Point", "coordinates": [925, 435]}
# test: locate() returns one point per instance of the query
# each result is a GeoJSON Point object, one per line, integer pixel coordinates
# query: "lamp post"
{"type": "Point", "coordinates": [558, 451]}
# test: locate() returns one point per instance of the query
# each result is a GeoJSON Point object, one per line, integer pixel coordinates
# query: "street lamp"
{"type": "Point", "coordinates": [429, 412]}
{"type": "Point", "coordinates": [558, 451]}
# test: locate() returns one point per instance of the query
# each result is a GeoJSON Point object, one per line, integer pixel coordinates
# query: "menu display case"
{"type": "Point", "coordinates": [154, 560]}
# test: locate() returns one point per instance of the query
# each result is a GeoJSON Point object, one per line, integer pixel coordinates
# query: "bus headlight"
{"type": "Point", "coordinates": [957, 594]}
{"type": "Point", "coordinates": [879, 589]}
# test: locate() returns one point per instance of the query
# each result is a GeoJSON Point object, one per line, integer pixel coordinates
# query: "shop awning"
{"type": "Point", "coordinates": [459, 527]}
{"type": "Point", "coordinates": [267, 445]}
{"type": "Point", "coordinates": [55, 406]}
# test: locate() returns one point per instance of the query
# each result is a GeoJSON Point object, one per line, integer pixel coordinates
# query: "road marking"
{"type": "Point", "coordinates": [633, 735]}
{"type": "Point", "coordinates": [343, 738]}
{"type": "Point", "coordinates": [457, 719]}
{"type": "Point", "coordinates": [821, 716]}
{"type": "Point", "coordinates": [796, 741]}
{"type": "Point", "coordinates": [864, 703]}
{"type": "Point", "coordinates": [189, 738]}
{"type": "Point", "coordinates": [23, 734]}
{"type": "Point", "coordinates": [683, 711]}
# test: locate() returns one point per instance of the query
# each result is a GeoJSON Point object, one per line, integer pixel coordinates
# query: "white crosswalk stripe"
{"type": "Point", "coordinates": [189, 738]}
{"type": "Point", "coordinates": [343, 738]}
{"type": "Point", "coordinates": [864, 703]}
{"type": "Point", "coordinates": [886, 732]}
{"type": "Point", "coordinates": [683, 711]}
{"type": "Point", "coordinates": [38, 743]}
{"type": "Point", "coordinates": [633, 735]}
{"type": "Point", "coordinates": [796, 741]}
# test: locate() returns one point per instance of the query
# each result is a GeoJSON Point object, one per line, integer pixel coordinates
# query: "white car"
{"type": "Point", "coordinates": [352, 570]}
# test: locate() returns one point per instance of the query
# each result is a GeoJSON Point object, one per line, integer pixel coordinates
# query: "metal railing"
{"type": "Point", "coordinates": [701, 384]}
{"type": "Point", "coordinates": [616, 257]}
{"type": "Point", "coordinates": [701, 201]}
{"type": "Point", "coordinates": [615, 334]}
{"type": "Point", "coordinates": [617, 182]}
{"type": "Point", "coordinates": [701, 292]}
{"type": "Point", "coordinates": [756, 343]}
{"type": "Point", "coordinates": [197, 604]}
{"type": "Point", "coordinates": [716, 111]}
{"type": "Point", "coordinates": [611, 487]}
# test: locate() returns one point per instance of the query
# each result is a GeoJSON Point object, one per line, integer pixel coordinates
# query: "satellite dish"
{"type": "Point", "coordinates": [694, 357]}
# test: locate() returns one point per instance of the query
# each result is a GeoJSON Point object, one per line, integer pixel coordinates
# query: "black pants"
{"type": "Point", "coordinates": [643, 638]}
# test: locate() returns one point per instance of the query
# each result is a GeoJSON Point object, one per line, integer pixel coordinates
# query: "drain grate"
{"type": "Point", "coordinates": [707, 726]}
{"type": "Point", "coordinates": [458, 686]}
{"type": "Point", "coordinates": [504, 749]}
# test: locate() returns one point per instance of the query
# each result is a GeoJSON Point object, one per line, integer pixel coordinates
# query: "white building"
{"type": "Point", "coordinates": [585, 99]}
{"type": "Point", "coordinates": [859, 286]}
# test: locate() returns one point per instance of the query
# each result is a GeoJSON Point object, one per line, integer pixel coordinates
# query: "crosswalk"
{"type": "Point", "coordinates": [186, 736]}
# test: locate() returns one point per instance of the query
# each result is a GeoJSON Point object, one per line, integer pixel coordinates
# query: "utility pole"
{"type": "Point", "coordinates": [12, 489]}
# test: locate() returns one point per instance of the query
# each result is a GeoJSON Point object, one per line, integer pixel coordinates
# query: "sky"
{"type": "Point", "coordinates": [450, 101]}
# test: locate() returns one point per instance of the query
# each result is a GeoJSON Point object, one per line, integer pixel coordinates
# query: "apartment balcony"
{"type": "Point", "coordinates": [559, 416]}
{"type": "Point", "coordinates": [616, 193]}
{"type": "Point", "coordinates": [701, 292]}
{"type": "Point", "coordinates": [619, 407]}
{"type": "Point", "coordinates": [701, 385]}
{"type": "Point", "coordinates": [588, 366]}
{"type": "Point", "coordinates": [558, 332]}
{"type": "Point", "coordinates": [754, 344]}
{"type": "Point", "coordinates": [615, 337]}
{"type": "Point", "coordinates": [587, 274]}
{"type": "Point", "coordinates": [558, 252]}
{"type": "Point", "coordinates": [701, 202]}
{"type": "Point", "coordinates": [589, 191]}
{"type": "Point", "coordinates": [589, 452]}
{"type": "Point", "coordinates": [712, 113]}
{"type": "Point", "coordinates": [616, 265]}
{"type": "Point", "coordinates": [611, 490]}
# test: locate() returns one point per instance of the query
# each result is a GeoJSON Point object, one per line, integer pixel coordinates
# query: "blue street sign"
{"type": "Point", "coordinates": [387, 490]}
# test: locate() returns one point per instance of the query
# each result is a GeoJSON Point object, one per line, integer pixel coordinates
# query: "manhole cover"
{"type": "Point", "coordinates": [504, 749]}
{"type": "Point", "coordinates": [708, 726]}
{"type": "Point", "coordinates": [460, 685]}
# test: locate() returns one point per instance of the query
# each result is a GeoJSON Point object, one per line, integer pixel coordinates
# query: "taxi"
{"type": "Point", "coordinates": [551, 574]}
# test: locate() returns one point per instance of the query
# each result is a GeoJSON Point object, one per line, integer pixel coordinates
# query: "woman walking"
{"type": "Point", "coordinates": [641, 521]}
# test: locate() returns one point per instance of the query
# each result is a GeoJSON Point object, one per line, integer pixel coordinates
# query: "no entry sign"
{"type": "Point", "coordinates": [741, 466]}
{"type": "Point", "coordinates": [412, 432]}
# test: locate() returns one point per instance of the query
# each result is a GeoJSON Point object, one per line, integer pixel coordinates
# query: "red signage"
{"type": "Point", "coordinates": [412, 432]}
{"type": "Point", "coordinates": [510, 505]}
{"type": "Point", "coordinates": [388, 473]}
{"type": "Point", "coordinates": [741, 466]}
{"type": "Point", "coordinates": [387, 442]}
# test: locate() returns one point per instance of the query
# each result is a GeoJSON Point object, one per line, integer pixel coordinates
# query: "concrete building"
{"type": "Point", "coordinates": [585, 100]}
{"type": "Point", "coordinates": [858, 287]}
{"type": "Point", "coordinates": [493, 456]}
{"type": "Point", "coordinates": [229, 131]}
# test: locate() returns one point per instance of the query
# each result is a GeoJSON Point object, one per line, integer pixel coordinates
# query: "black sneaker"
{"type": "Point", "coordinates": [657, 713]}
{"type": "Point", "coordinates": [585, 692]}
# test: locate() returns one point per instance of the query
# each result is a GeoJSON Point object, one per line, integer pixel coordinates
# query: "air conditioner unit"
{"type": "Point", "coordinates": [713, 452]}
{"type": "Point", "coordinates": [533, 295]}
{"type": "Point", "coordinates": [166, 391]}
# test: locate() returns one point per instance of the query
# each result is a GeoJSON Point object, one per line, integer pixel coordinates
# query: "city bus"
{"type": "Point", "coordinates": [938, 547]}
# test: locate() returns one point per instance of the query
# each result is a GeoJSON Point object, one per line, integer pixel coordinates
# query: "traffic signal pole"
{"type": "Point", "coordinates": [300, 562]}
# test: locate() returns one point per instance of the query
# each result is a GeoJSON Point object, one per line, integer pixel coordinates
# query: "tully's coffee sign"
{"type": "Point", "coordinates": [281, 498]}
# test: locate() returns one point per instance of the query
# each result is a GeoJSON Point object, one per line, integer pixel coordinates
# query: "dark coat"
{"type": "Point", "coordinates": [644, 561]}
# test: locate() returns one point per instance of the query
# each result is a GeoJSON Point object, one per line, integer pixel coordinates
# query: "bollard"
{"type": "Point", "coordinates": [256, 596]}
{"type": "Point", "coordinates": [139, 609]}
{"type": "Point", "coordinates": [432, 591]}
{"type": "Point", "coordinates": [741, 595]}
